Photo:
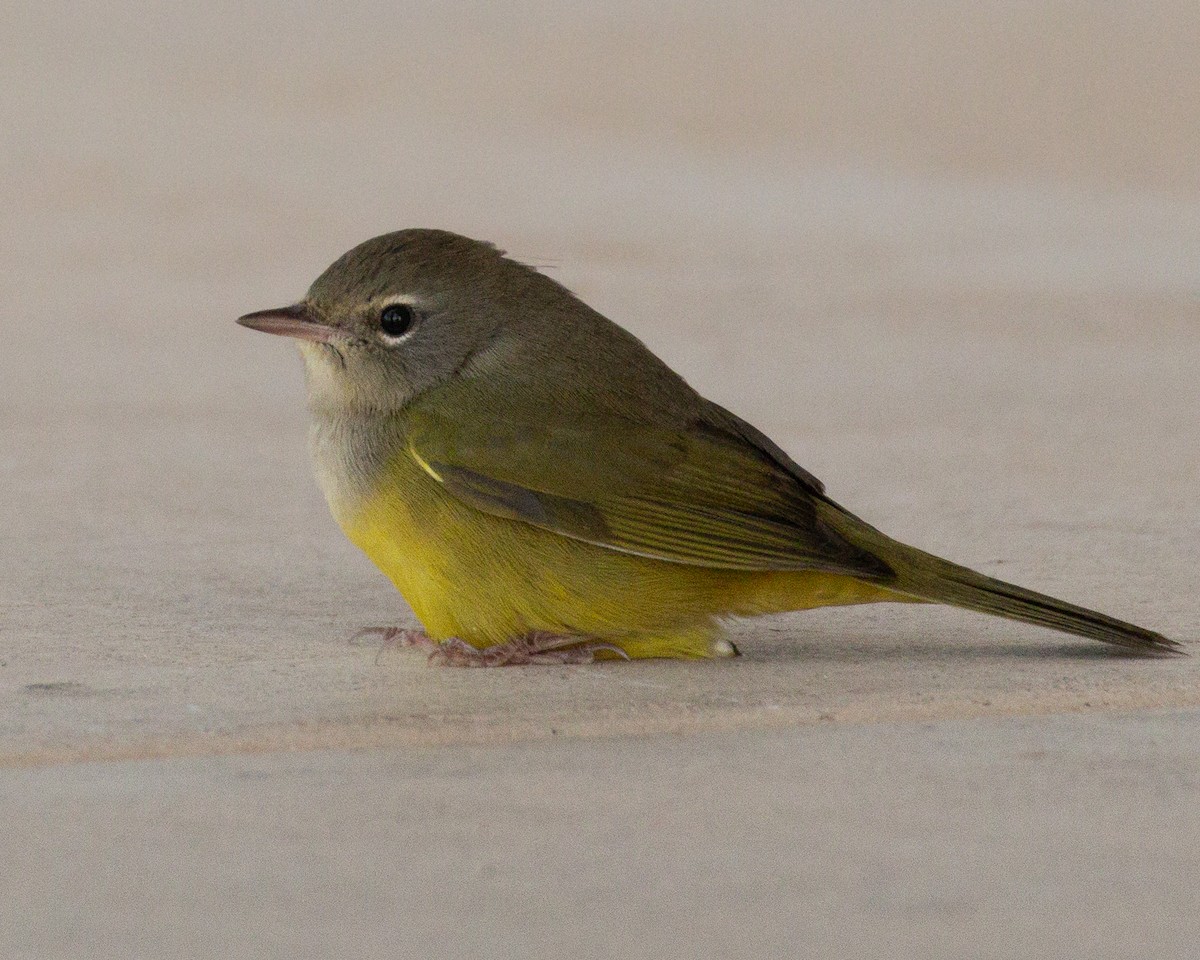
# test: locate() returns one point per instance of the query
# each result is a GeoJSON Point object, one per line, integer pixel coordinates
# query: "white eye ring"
{"type": "Point", "coordinates": [396, 321]}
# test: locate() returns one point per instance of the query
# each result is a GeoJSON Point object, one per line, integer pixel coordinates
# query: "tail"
{"type": "Point", "coordinates": [926, 577]}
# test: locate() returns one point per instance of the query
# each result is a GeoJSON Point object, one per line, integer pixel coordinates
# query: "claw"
{"type": "Point", "coordinates": [532, 649]}
{"type": "Point", "coordinates": [536, 648]}
{"type": "Point", "coordinates": [394, 637]}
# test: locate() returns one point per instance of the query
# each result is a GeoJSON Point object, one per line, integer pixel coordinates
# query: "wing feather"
{"type": "Point", "coordinates": [708, 495]}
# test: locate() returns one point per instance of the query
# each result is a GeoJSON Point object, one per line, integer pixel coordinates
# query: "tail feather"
{"type": "Point", "coordinates": [918, 575]}
{"type": "Point", "coordinates": [931, 578]}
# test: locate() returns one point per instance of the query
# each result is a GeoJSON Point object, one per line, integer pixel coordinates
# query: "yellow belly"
{"type": "Point", "coordinates": [487, 579]}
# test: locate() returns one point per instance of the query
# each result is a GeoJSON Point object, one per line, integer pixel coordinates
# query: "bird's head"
{"type": "Point", "coordinates": [405, 312]}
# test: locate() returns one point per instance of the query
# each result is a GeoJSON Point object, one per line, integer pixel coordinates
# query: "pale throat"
{"type": "Point", "coordinates": [351, 439]}
{"type": "Point", "coordinates": [346, 381]}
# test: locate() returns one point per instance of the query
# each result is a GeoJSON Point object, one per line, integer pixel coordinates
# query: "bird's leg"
{"type": "Point", "coordinates": [537, 647]}
{"type": "Point", "coordinates": [396, 638]}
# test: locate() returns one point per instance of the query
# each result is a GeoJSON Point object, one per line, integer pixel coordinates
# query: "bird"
{"type": "Point", "coordinates": [541, 488]}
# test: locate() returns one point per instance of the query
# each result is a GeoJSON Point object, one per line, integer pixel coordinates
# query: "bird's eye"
{"type": "Point", "coordinates": [396, 319]}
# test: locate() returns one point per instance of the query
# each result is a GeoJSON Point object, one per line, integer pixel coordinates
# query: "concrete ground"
{"type": "Point", "coordinates": [946, 258]}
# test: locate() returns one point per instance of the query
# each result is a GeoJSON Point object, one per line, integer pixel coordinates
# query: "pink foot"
{"type": "Point", "coordinates": [533, 648]}
{"type": "Point", "coordinates": [396, 638]}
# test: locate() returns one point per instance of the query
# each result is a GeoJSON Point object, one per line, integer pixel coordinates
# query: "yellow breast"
{"type": "Point", "coordinates": [487, 579]}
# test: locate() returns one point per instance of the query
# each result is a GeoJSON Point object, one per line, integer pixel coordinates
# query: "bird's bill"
{"type": "Point", "coordinates": [294, 321]}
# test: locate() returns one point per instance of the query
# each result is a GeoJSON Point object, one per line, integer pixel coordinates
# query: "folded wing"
{"type": "Point", "coordinates": [713, 494]}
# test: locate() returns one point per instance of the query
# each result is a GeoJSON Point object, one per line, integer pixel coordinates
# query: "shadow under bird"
{"type": "Point", "coordinates": [541, 488]}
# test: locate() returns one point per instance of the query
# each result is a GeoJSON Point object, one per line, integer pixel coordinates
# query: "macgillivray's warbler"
{"type": "Point", "coordinates": [541, 488]}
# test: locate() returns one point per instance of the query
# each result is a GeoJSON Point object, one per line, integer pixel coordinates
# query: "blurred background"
{"type": "Point", "coordinates": [945, 253]}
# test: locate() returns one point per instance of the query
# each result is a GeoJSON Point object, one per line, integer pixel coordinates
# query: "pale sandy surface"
{"type": "Point", "coordinates": [947, 259]}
